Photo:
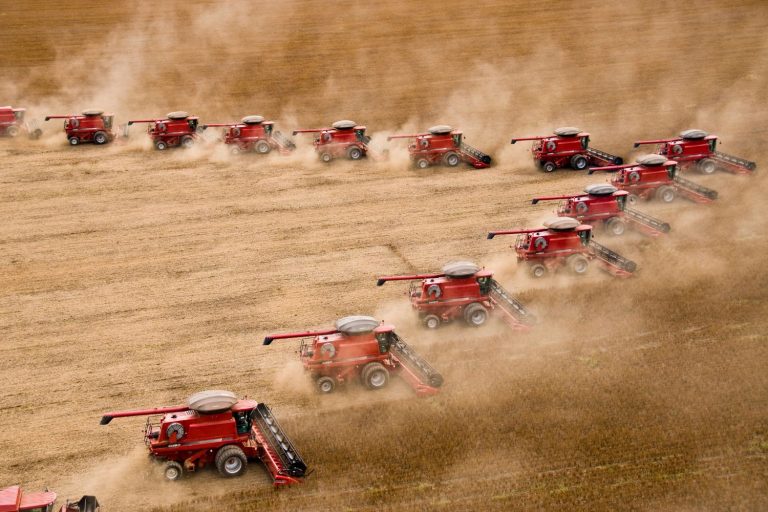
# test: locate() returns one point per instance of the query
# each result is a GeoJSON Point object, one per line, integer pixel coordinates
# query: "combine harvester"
{"type": "Point", "coordinates": [92, 126]}
{"type": "Point", "coordinates": [13, 499]}
{"type": "Point", "coordinates": [442, 145]}
{"type": "Point", "coordinates": [565, 242]}
{"type": "Point", "coordinates": [463, 291]}
{"type": "Point", "coordinates": [176, 129]}
{"type": "Point", "coordinates": [653, 176]}
{"type": "Point", "coordinates": [253, 134]}
{"type": "Point", "coordinates": [568, 147]}
{"type": "Point", "coordinates": [361, 348]}
{"type": "Point", "coordinates": [217, 428]}
{"type": "Point", "coordinates": [12, 123]}
{"type": "Point", "coordinates": [696, 148]}
{"type": "Point", "coordinates": [605, 205]}
{"type": "Point", "coordinates": [344, 139]}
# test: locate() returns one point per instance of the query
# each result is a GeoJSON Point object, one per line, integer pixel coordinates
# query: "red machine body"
{"type": "Point", "coordinates": [462, 291]}
{"type": "Point", "coordinates": [13, 499]}
{"type": "Point", "coordinates": [361, 348]}
{"type": "Point", "coordinates": [344, 139]}
{"type": "Point", "coordinates": [564, 242]}
{"type": "Point", "coordinates": [12, 123]}
{"type": "Point", "coordinates": [606, 205]}
{"type": "Point", "coordinates": [91, 126]}
{"type": "Point", "coordinates": [568, 147]}
{"type": "Point", "coordinates": [188, 439]}
{"type": "Point", "coordinates": [253, 134]}
{"type": "Point", "coordinates": [655, 177]}
{"type": "Point", "coordinates": [442, 145]}
{"type": "Point", "coordinates": [697, 149]}
{"type": "Point", "coordinates": [177, 129]}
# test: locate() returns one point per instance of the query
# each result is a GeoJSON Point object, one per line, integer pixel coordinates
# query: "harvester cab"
{"type": "Point", "coordinates": [462, 291]}
{"type": "Point", "coordinates": [91, 126]}
{"type": "Point", "coordinates": [442, 145]}
{"type": "Point", "coordinates": [564, 242]}
{"type": "Point", "coordinates": [344, 139]}
{"type": "Point", "coordinates": [214, 427]}
{"type": "Point", "coordinates": [12, 123]}
{"type": "Point", "coordinates": [605, 205]}
{"type": "Point", "coordinates": [253, 134]}
{"type": "Point", "coordinates": [359, 347]}
{"type": "Point", "coordinates": [176, 129]}
{"type": "Point", "coordinates": [567, 147]}
{"type": "Point", "coordinates": [656, 177]}
{"type": "Point", "coordinates": [13, 499]}
{"type": "Point", "coordinates": [697, 148]}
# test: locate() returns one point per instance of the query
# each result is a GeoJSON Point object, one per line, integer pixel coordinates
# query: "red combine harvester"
{"type": "Point", "coordinates": [12, 123]}
{"type": "Point", "coordinates": [443, 145]}
{"type": "Point", "coordinates": [91, 126]}
{"type": "Point", "coordinates": [217, 428]}
{"type": "Point", "coordinates": [177, 129]}
{"type": "Point", "coordinates": [13, 499]}
{"type": "Point", "coordinates": [361, 348]}
{"type": "Point", "coordinates": [253, 134]}
{"type": "Point", "coordinates": [568, 147]}
{"type": "Point", "coordinates": [565, 242]}
{"type": "Point", "coordinates": [344, 139]}
{"type": "Point", "coordinates": [463, 290]}
{"type": "Point", "coordinates": [696, 148]}
{"type": "Point", "coordinates": [606, 205]}
{"type": "Point", "coordinates": [653, 176]}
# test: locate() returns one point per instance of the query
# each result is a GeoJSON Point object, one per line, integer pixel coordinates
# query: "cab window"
{"type": "Point", "coordinates": [671, 171]}
{"type": "Point", "coordinates": [584, 236]}
{"type": "Point", "coordinates": [457, 140]}
{"type": "Point", "coordinates": [622, 200]}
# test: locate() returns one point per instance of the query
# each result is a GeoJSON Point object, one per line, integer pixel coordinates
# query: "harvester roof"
{"type": "Point", "coordinates": [567, 131]}
{"type": "Point", "coordinates": [651, 160]}
{"type": "Point", "coordinates": [460, 269]}
{"type": "Point", "coordinates": [693, 134]}
{"type": "Point", "coordinates": [178, 115]}
{"type": "Point", "coordinates": [600, 189]}
{"type": "Point", "coordinates": [440, 129]}
{"type": "Point", "coordinates": [93, 112]}
{"type": "Point", "coordinates": [212, 401]}
{"type": "Point", "coordinates": [344, 124]}
{"type": "Point", "coordinates": [561, 224]}
{"type": "Point", "coordinates": [253, 120]}
{"type": "Point", "coordinates": [356, 324]}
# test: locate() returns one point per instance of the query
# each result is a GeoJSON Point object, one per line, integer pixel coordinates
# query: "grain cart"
{"type": "Point", "coordinates": [462, 291]}
{"type": "Point", "coordinates": [604, 204]}
{"type": "Point", "coordinates": [12, 123]}
{"type": "Point", "coordinates": [442, 145]}
{"type": "Point", "coordinates": [697, 149]}
{"type": "Point", "coordinates": [344, 139]}
{"type": "Point", "coordinates": [253, 134]}
{"type": "Point", "coordinates": [361, 348]}
{"type": "Point", "coordinates": [177, 129]}
{"type": "Point", "coordinates": [91, 126]}
{"type": "Point", "coordinates": [568, 147]}
{"type": "Point", "coordinates": [565, 242]}
{"type": "Point", "coordinates": [215, 428]}
{"type": "Point", "coordinates": [13, 499]}
{"type": "Point", "coordinates": [655, 177]}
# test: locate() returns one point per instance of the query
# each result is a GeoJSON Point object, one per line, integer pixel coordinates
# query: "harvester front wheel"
{"type": "Point", "coordinates": [422, 163]}
{"type": "Point", "coordinates": [538, 270]}
{"type": "Point", "coordinates": [666, 194]}
{"type": "Point", "coordinates": [375, 376]}
{"type": "Point", "coordinates": [451, 159]}
{"type": "Point", "coordinates": [100, 138]}
{"type": "Point", "coordinates": [12, 131]}
{"type": "Point", "coordinates": [325, 157]}
{"type": "Point", "coordinates": [615, 226]}
{"type": "Point", "coordinates": [578, 264]}
{"type": "Point", "coordinates": [431, 322]}
{"type": "Point", "coordinates": [173, 471]}
{"type": "Point", "coordinates": [548, 167]}
{"type": "Point", "coordinates": [74, 141]}
{"type": "Point", "coordinates": [231, 461]}
{"type": "Point", "coordinates": [475, 315]}
{"type": "Point", "coordinates": [707, 166]}
{"type": "Point", "coordinates": [326, 385]}
{"type": "Point", "coordinates": [187, 141]}
{"type": "Point", "coordinates": [262, 147]}
{"type": "Point", "coordinates": [161, 145]}
{"type": "Point", "coordinates": [579, 163]}
{"type": "Point", "coordinates": [354, 153]}
{"type": "Point", "coordinates": [234, 150]}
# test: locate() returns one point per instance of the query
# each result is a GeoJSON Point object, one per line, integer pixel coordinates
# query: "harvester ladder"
{"type": "Point", "coordinates": [407, 356]}
{"type": "Point", "coordinates": [283, 141]}
{"type": "Point", "coordinates": [734, 160]}
{"type": "Point", "coordinates": [509, 304]}
{"type": "Point", "coordinates": [604, 157]}
{"type": "Point", "coordinates": [647, 220]}
{"type": "Point", "coordinates": [612, 258]}
{"type": "Point", "coordinates": [695, 188]}
{"type": "Point", "coordinates": [475, 153]}
{"type": "Point", "coordinates": [277, 445]}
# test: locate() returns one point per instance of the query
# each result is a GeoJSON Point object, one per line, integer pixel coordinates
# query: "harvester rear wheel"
{"type": "Point", "coordinates": [578, 264]}
{"type": "Point", "coordinates": [578, 162]}
{"type": "Point", "coordinates": [325, 157]}
{"type": "Point", "coordinates": [262, 147]}
{"type": "Point", "coordinates": [12, 131]}
{"type": "Point", "coordinates": [187, 141]}
{"type": "Point", "coordinates": [538, 270]}
{"type": "Point", "coordinates": [326, 385]}
{"type": "Point", "coordinates": [666, 194]}
{"type": "Point", "coordinates": [451, 159]}
{"type": "Point", "coordinates": [375, 376]}
{"type": "Point", "coordinates": [707, 166]}
{"type": "Point", "coordinates": [173, 471]}
{"type": "Point", "coordinates": [234, 150]}
{"type": "Point", "coordinates": [615, 226]}
{"type": "Point", "coordinates": [74, 141]}
{"type": "Point", "coordinates": [100, 138]}
{"type": "Point", "coordinates": [422, 163]}
{"type": "Point", "coordinates": [161, 145]}
{"type": "Point", "coordinates": [231, 461]}
{"type": "Point", "coordinates": [354, 153]}
{"type": "Point", "coordinates": [548, 166]}
{"type": "Point", "coordinates": [431, 322]}
{"type": "Point", "coordinates": [475, 315]}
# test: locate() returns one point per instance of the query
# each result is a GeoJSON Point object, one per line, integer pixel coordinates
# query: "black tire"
{"type": "Point", "coordinates": [354, 153]}
{"type": "Point", "coordinates": [161, 145]}
{"type": "Point", "coordinates": [666, 194]}
{"type": "Point", "coordinates": [187, 141]}
{"type": "Point", "coordinates": [12, 131]}
{"type": "Point", "coordinates": [100, 138]}
{"type": "Point", "coordinates": [262, 147]}
{"type": "Point", "coordinates": [707, 166]}
{"type": "Point", "coordinates": [615, 226]}
{"type": "Point", "coordinates": [173, 471]}
{"type": "Point", "coordinates": [451, 159]}
{"type": "Point", "coordinates": [375, 376]}
{"type": "Point", "coordinates": [431, 322]}
{"type": "Point", "coordinates": [231, 461]}
{"type": "Point", "coordinates": [422, 163]}
{"type": "Point", "coordinates": [325, 157]}
{"type": "Point", "coordinates": [537, 271]}
{"type": "Point", "coordinates": [548, 167]}
{"type": "Point", "coordinates": [325, 385]}
{"type": "Point", "coordinates": [579, 162]}
{"type": "Point", "coordinates": [578, 264]}
{"type": "Point", "coordinates": [475, 315]}
{"type": "Point", "coordinates": [74, 141]}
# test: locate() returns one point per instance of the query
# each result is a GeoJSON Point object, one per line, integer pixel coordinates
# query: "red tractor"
{"type": "Point", "coordinates": [565, 242]}
{"type": "Point", "coordinates": [13, 499]}
{"type": "Point", "coordinates": [344, 139]}
{"type": "Point", "coordinates": [696, 148]}
{"type": "Point", "coordinates": [653, 176]}
{"type": "Point", "coordinates": [214, 427]}
{"type": "Point", "coordinates": [177, 129]}
{"type": "Point", "coordinates": [91, 126]}
{"type": "Point", "coordinates": [361, 348]}
{"type": "Point", "coordinates": [12, 123]}
{"type": "Point", "coordinates": [443, 145]}
{"type": "Point", "coordinates": [606, 205]}
{"type": "Point", "coordinates": [568, 147]}
{"type": "Point", "coordinates": [254, 134]}
{"type": "Point", "coordinates": [465, 291]}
